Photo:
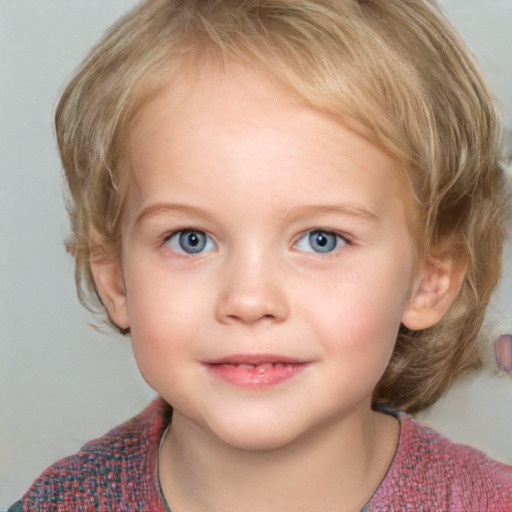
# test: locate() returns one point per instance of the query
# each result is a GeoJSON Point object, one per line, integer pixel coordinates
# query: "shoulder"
{"type": "Point", "coordinates": [429, 471]}
{"type": "Point", "coordinates": [116, 469]}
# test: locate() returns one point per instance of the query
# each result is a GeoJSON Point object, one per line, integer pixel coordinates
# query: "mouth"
{"type": "Point", "coordinates": [255, 371]}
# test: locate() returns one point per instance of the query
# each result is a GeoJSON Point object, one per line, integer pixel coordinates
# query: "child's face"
{"type": "Point", "coordinates": [266, 261]}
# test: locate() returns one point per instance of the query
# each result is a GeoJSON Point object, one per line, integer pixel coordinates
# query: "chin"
{"type": "Point", "coordinates": [259, 435]}
{"type": "Point", "coordinates": [255, 441]}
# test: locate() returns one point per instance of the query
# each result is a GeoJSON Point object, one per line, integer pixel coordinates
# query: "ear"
{"type": "Point", "coordinates": [108, 277]}
{"type": "Point", "coordinates": [439, 283]}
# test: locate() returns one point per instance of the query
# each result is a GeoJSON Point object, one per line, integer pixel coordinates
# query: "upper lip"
{"type": "Point", "coordinates": [254, 359]}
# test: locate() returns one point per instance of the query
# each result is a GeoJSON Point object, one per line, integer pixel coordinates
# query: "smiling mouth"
{"type": "Point", "coordinates": [255, 372]}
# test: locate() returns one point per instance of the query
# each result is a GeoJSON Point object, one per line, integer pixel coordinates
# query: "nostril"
{"type": "Point", "coordinates": [503, 352]}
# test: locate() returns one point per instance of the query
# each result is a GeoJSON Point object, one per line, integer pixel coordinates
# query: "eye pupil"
{"type": "Point", "coordinates": [193, 239]}
{"type": "Point", "coordinates": [322, 241]}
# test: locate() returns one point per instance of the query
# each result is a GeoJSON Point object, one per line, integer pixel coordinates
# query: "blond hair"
{"type": "Point", "coordinates": [393, 70]}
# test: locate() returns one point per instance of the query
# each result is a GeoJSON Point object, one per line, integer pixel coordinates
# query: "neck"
{"type": "Point", "coordinates": [338, 468]}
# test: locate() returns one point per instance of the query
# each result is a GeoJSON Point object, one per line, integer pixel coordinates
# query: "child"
{"type": "Point", "coordinates": [295, 210]}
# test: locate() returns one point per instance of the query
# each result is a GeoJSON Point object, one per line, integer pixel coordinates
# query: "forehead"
{"type": "Point", "coordinates": [244, 127]}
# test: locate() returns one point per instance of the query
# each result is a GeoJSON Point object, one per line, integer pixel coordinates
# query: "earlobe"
{"type": "Point", "coordinates": [108, 277]}
{"type": "Point", "coordinates": [438, 285]}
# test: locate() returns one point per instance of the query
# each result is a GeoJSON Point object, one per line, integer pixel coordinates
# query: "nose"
{"type": "Point", "coordinates": [252, 290]}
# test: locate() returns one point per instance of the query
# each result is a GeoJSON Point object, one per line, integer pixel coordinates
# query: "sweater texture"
{"type": "Point", "coordinates": [118, 473]}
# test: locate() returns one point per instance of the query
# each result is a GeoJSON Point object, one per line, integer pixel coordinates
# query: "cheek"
{"type": "Point", "coordinates": [361, 314]}
{"type": "Point", "coordinates": [161, 319]}
{"type": "Point", "coordinates": [157, 296]}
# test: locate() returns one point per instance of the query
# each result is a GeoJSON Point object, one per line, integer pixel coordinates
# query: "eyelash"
{"type": "Point", "coordinates": [326, 239]}
{"type": "Point", "coordinates": [175, 242]}
{"type": "Point", "coordinates": [322, 240]}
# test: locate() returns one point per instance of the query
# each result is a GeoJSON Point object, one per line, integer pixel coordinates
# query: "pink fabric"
{"type": "Point", "coordinates": [430, 473]}
{"type": "Point", "coordinates": [118, 473]}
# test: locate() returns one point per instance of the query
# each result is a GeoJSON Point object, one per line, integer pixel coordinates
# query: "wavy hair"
{"type": "Point", "coordinates": [393, 70]}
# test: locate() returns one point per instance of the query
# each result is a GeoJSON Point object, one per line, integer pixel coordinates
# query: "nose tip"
{"type": "Point", "coordinates": [252, 308]}
{"type": "Point", "coordinates": [250, 299]}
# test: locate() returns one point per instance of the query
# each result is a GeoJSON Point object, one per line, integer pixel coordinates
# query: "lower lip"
{"type": "Point", "coordinates": [257, 377]}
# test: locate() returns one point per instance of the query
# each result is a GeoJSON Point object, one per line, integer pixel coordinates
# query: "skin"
{"type": "Point", "coordinates": [242, 160]}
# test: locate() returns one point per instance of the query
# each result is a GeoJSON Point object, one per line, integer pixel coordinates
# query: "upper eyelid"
{"type": "Point", "coordinates": [302, 233]}
{"type": "Point", "coordinates": [169, 234]}
{"type": "Point", "coordinates": [166, 238]}
{"type": "Point", "coordinates": [345, 236]}
{"type": "Point", "coordinates": [341, 246]}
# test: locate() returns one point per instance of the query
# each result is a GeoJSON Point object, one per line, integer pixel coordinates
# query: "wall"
{"type": "Point", "coordinates": [63, 383]}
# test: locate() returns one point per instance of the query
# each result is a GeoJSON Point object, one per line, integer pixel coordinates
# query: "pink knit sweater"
{"type": "Point", "coordinates": [118, 473]}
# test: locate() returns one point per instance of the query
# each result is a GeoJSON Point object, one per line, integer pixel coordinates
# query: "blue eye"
{"type": "Point", "coordinates": [320, 241]}
{"type": "Point", "coordinates": [191, 241]}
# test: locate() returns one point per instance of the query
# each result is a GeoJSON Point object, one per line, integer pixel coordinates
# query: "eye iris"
{"type": "Point", "coordinates": [192, 241]}
{"type": "Point", "coordinates": [322, 241]}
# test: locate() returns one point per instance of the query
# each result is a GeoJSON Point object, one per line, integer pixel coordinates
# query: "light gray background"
{"type": "Point", "coordinates": [61, 382]}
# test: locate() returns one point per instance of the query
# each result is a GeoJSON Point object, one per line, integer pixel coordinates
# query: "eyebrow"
{"type": "Point", "coordinates": [300, 212]}
{"type": "Point", "coordinates": [160, 209]}
{"type": "Point", "coordinates": [351, 210]}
